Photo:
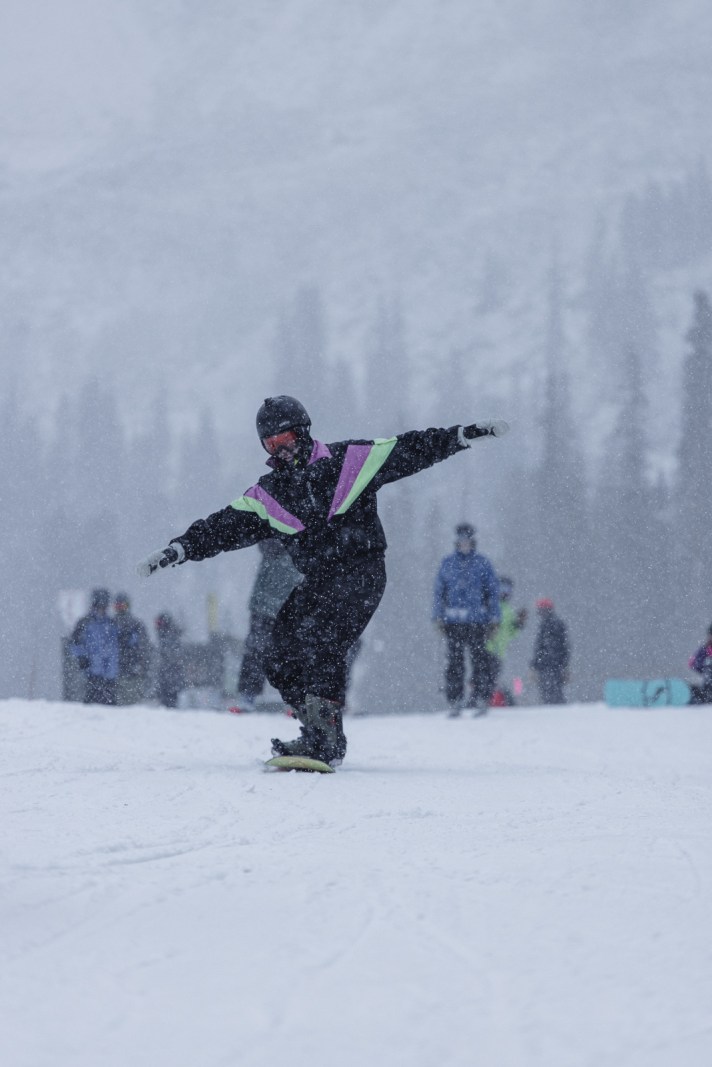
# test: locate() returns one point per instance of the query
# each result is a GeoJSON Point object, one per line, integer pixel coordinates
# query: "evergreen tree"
{"type": "Point", "coordinates": [398, 641]}
{"type": "Point", "coordinates": [27, 606]}
{"type": "Point", "coordinates": [694, 490]}
{"type": "Point", "coordinates": [560, 519]}
{"type": "Point", "coordinates": [300, 349]}
{"type": "Point", "coordinates": [634, 627]}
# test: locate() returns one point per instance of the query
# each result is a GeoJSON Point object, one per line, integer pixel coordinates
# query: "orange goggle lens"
{"type": "Point", "coordinates": [287, 440]}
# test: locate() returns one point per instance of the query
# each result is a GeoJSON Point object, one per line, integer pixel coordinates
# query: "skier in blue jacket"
{"type": "Point", "coordinates": [466, 610]}
{"type": "Point", "coordinates": [95, 645]}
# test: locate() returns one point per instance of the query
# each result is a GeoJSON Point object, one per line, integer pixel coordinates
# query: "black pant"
{"type": "Point", "coordinates": [99, 690]}
{"type": "Point", "coordinates": [252, 669]}
{"type": "Point", "coordinates": [471, 636]}
{"type": "Point", "coordinates": [318, 624]}
{"type": "Point", "coordinates": [551, 686]}
{"type": "Point", "coordinates": [701, 694]}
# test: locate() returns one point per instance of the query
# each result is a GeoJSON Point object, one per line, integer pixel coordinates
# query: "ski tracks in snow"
{"type": "Point", "coordinates": [530, 888]}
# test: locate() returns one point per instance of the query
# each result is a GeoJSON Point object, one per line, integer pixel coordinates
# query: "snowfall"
{"type": "Point", "coordinates": [532, 887]}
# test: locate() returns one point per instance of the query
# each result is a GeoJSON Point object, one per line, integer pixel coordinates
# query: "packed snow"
{"type": "Point", "coordinates": [532, 887]}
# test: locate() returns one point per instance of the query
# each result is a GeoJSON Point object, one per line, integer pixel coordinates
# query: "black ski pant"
{"type": "Point", "coordinates": [701, 694]}
{"type": "Point", "coordinates": [99, 690]}
{"type": "Point", "coordinates": [252, 669]}
{"type": "Point", "coordinates": [551, 686]}
{"type": "Point", "coordinates": [470, 637]}
{"type": "Point", "coordinates": [318, 624]}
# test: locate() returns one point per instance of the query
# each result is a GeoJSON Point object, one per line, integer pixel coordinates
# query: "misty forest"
{"type": "Point", "coordinates": [170, 264]}
{"type": "Point", "coordinates": [613, 539]}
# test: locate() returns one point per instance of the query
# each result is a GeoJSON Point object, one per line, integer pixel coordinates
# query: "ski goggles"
{"type": "Point", "coordinates": [281, 443]}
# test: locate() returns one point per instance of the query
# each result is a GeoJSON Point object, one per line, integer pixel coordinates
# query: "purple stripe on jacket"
{"type": "Point", "coordinates": [356, 456]}
{"type": "Point", "coordinates": [274, 508]}
{"type": "Point", "coordinates": [319, 451]}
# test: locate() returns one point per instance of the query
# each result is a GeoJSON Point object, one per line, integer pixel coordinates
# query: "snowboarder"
{"type": "Point", "coordinates": [319, 500]}
{"type": "Point", "coordinates": [702, 663]}
{"type": "Point", "coordinates": [466, 610]}
{"type": "Point", "coordinates": [550, 661]}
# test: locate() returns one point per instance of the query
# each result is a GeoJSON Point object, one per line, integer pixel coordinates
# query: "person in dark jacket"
{"type": "Point", "coordinates": [170, 660]}
{"type": "Point", "coordinates": [702, 663]}
{"type": "Point", "coordinates": [276, 578]}
{"type": "Point", "coordinates": [550, 661]}
{"type": "Point", "coordinates": [134, 653]}
{"type": "Point", "coordinates": [319, 501]}
{"type": "Point", "coordinates": [466, 610]}
{"type": "Point", "coordinates": [95, 644]}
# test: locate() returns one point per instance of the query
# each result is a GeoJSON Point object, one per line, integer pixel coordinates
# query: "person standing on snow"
{"type": "Point", "coordinates": [319, 500]}
{"type": "Point", "coordinates": [702, 663]}
{"type": "Point", "coordinates": [511, 623]}
{"type": "Point", "coordinates": [276, 578]}
{"type": "Point", "coordinates": [134, 653]}
{"type": "Point", "coordinates": [550, 661]}
{"type": "Point", "coordinates": [95, 645]}
{"type": "Point", "coordinates": [466, 610]}
{"type": "Point", "coordinates": [169, 681]}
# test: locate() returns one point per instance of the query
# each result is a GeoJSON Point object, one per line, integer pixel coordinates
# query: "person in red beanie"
{"type": "Point", "coordinates": [550, 661]}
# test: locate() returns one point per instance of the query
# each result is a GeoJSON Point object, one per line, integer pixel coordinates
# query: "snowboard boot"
{"type": "Point", "coordinates": [307, 744]}
{"type": "Point", "coordinates": [322, 734]}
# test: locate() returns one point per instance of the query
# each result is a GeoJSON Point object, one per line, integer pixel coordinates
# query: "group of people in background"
{"type": "Point", "coordinates": [472, 609]}
{"type": "Point", "coordinates": [117, 659]}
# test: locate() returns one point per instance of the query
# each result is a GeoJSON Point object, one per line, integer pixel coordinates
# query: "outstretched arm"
{"type": "Point", "coordinates": [417, 450]}
{"type": "Point", "coordinates": [223, 531]}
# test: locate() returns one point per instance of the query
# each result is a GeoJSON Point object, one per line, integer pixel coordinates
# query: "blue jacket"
{"type": "Point", "coordinates": [95, 643]}
{"type": "Point", "coordinates": [466, 590]}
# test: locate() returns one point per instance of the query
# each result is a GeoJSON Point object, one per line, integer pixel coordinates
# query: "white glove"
{"type": "Point", "coordinates": [484, 428]}
{"type": "Point", "coordinates": [164, 557]}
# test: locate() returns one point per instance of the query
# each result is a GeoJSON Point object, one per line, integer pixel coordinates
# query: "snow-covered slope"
{"type": "Point", "coordinates": [528, 889]}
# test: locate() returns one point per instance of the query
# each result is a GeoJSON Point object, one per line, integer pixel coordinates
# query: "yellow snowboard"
{"type": "Point", "coordinates": [299, 763]}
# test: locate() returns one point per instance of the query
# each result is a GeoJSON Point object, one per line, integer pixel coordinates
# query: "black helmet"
{"type": "Point", "coordinates": [465, 531]}
{"type": "Point", "coordinates": [280, 413]}
{"type": "Point", "coordinates": [100, 599]}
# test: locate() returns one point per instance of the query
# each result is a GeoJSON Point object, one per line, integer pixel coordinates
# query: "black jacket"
{"type": "Point", "coordinates": [134, 646]}
{"type": "Point", "coordinates": [324, 512]}
{"type": "Point", "coordinates": [551, 648]}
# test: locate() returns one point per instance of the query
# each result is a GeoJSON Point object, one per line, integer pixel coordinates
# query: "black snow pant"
{"type": "Point", "coordinates": [551, 686]}
{"type": "Point", "coordinates": [471, 636]}
{"type": "Point", "coordinates": [317, 626]}
{"type": "Point", "coordinates": [252, 669]}
{"type": "Point", "coordinates": [99, 690]}
{"type": "Point", "coordinates": [701, 694]}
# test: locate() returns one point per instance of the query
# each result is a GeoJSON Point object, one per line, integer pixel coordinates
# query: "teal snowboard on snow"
{"type": "Point", "coordinates": [653, 693]}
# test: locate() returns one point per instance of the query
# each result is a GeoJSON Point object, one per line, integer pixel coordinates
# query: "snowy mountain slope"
{"type": "Point", "coordinates": [199, 166]}
{"type": "Point", "coordinates": [527, 889]}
